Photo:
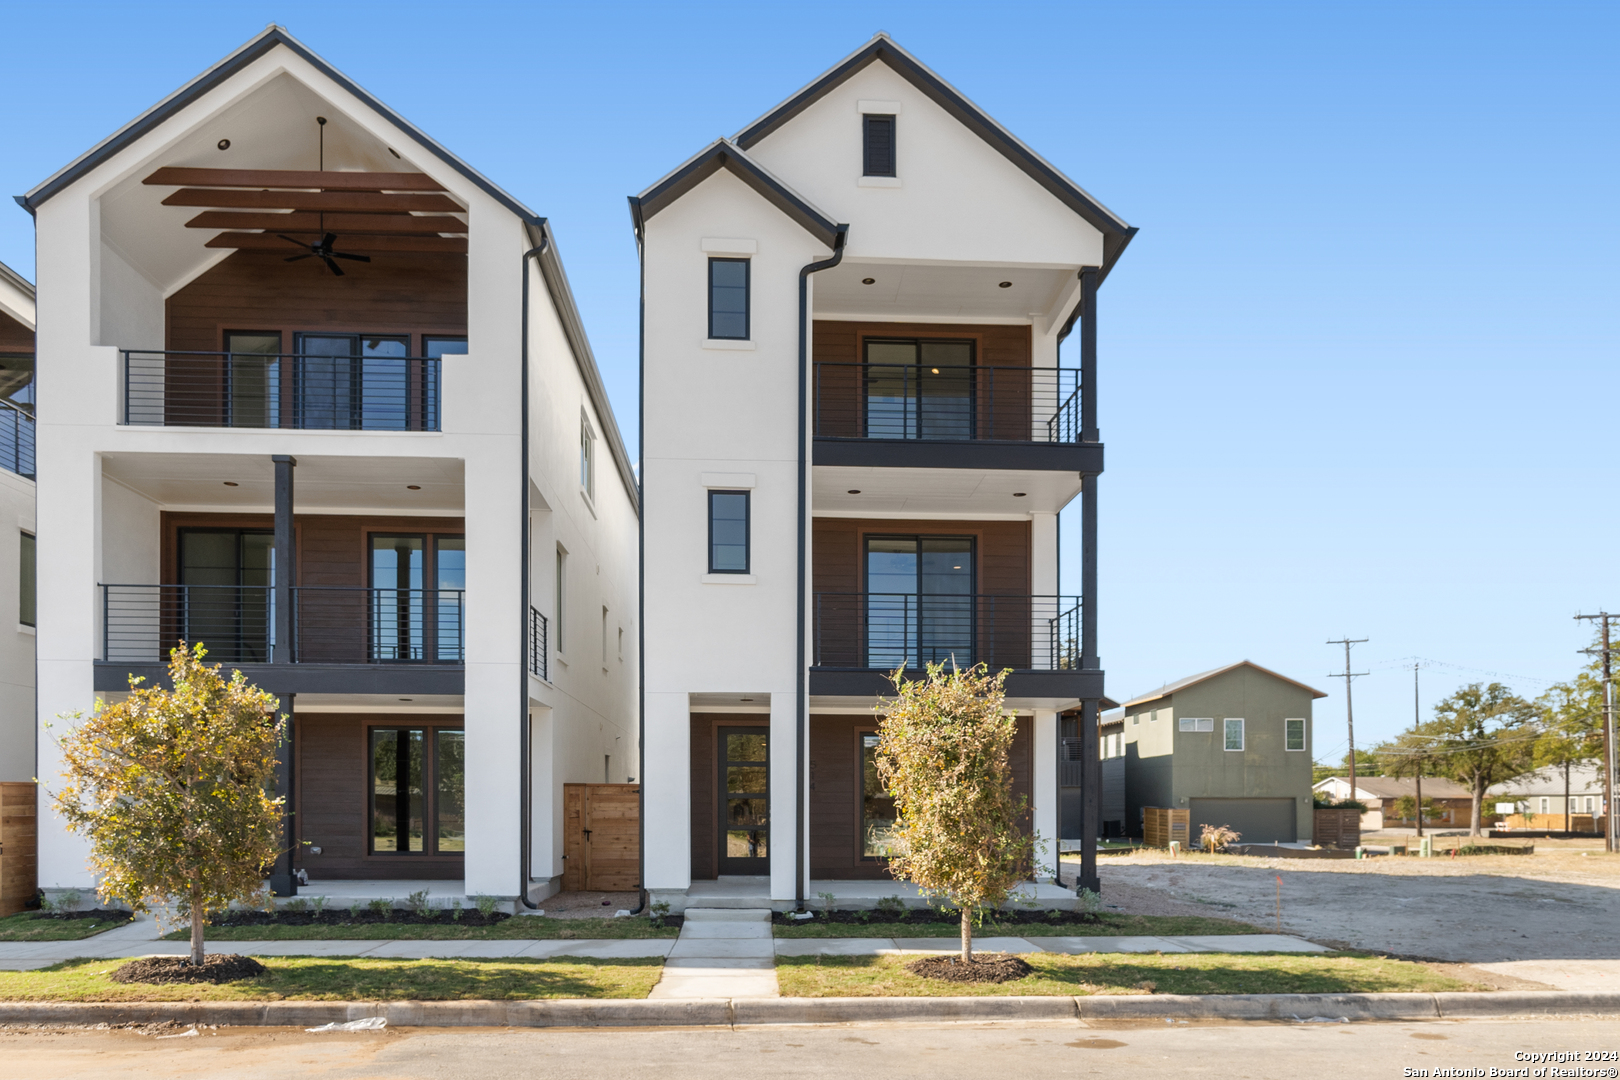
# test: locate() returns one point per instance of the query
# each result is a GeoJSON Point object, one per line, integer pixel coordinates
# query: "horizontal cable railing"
{"type": "Point", "coordinates": [293, 390]}
{"type": "Point", "coordinates": [237, 624]}
{"type": "Point", "coordinates": [16, 439]}
{"type": "Point", "coordinates": [918, 401]}
{"type": "Point", "coordinates": [883, 631]}
{"type": "Point", "coordinates": [539, 658]}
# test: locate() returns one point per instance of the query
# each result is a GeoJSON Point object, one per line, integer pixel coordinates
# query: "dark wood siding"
{"type": "Point", "coordinates": [705, 782]}
{"type": "Point", "coordinates": [1002, 549]}
{"type": "Point", "coordinates": [331, 547]}
{"type": "Point", "coordinates": [392, 294]}
{"type": "Point", "coordinates": [330, 800]}
{"type": "Point", "coordinates": [835, 794]}
{"type": "Point", "coordinates": [15, 337]}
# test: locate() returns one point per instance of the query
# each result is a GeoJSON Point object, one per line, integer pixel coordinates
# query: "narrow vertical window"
{"type": "Point", "coordinates": [557, 624]}
{"type": "Point", "coordinates": [878, 145]}
{"type": "Point", "coordinates": [25, 582]}
{"type": "Point", "coordinates": [728, 532]}
{"type": "Point", "coordinates": [1295, 733]}
{"type": "Point", "coordinates": [587, 457]}
{"type": "Point", "coordinates": [1234, 734]}
{"type": "Point", "coordinates": [604, 642]}
{"type": "Point", "coordinates": [728, 299]}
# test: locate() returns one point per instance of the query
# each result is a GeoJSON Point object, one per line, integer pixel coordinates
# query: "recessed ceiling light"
{"type": "Point", "coordinates": [747, 699]}
{"type": "Point", "coordinates": [231, 483]}
{"type": "Point", "coordinates": [1005, 285]}
{"type": "Point", "coordinates": [391, 150]}
{"type": "Point", "coordinates": [868, 281]}
{"type": "Point", "coordinates": [224, 144]}
{"type": "Point", "coordinates": [934, 370]}
{"type": "Point", "coordinates": [407, 699]}
{"type": "Point", "coordinates": [854, 491]}
{"type": "Point", "coordinates": [413, 487]}
{"type": "Point", "coordinates": [1019, 494]}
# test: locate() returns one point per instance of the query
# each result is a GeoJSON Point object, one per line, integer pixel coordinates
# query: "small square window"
{"type": "Point", "coordinates": [728, 532]}
{"type": "Point", "coordinates": [1234, 734]}
{"type": "Point", "coordinates": [877, 158]}
{"type": "Point", "coordinates": [1294, 731]}
{"type": "Point", "coordinates": [728, 299]}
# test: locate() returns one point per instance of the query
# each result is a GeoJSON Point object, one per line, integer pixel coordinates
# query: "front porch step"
{"type": "Point", "coordinates": [739, 914]}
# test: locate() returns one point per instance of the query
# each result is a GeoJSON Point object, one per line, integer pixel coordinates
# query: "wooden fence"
{"type": "Point", "coordinates": [1336, 827]}
{"type": "Point", "coordinates": [1161, 825]}
{"type": "Point", "coordinates": [602, 837]}
{"type": "Point", "coordinates": [19, 846]}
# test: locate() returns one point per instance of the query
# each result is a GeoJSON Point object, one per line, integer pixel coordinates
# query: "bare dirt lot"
{"type": "Point", "coordinates": [1547, 918]}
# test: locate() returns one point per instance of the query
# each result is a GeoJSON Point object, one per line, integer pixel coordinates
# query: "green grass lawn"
{"type": "Point", "coordinates": [1110, 926]}
{"type": "Point", "coordinates": [1113, 973]}
{"type": "Point", "coordinates": [354, 979]}
{"type": "Point", "coordinates": [32, 926]}
{"type": "Point", "coordinates": [525, 927]}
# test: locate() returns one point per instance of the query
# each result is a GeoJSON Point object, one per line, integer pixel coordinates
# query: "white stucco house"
{"type": "Point", "coordinates": [856, 440]}
{"type": "Point", "coordinates": [17, 529]}
{"type": "Point", "coordinates": [316, 394]}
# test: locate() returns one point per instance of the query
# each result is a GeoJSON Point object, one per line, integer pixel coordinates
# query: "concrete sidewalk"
{"type": "Point", "coordinates": [1203, 943]}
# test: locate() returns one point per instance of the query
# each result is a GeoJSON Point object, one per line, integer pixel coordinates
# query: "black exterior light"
{"type": "Point", "coordinates": [1005, 285]}
{"type": "Point", "coordinates": [224, 144]}
{"type": "Point", "coordinates": [853, 491]}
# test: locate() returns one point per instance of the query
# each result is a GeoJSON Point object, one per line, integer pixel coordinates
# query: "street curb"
{"type": "Point", "coordinates": [726, 1012]}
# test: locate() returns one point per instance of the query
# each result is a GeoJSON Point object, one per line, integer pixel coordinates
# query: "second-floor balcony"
{"type": "Point", "coordinates": [16, 439]}
{"type": "Point", "coordinates": [349, 388]}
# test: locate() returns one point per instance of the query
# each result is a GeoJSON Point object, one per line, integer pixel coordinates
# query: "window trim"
{"type": "Point", "coordinates": [587, 456]}
{"type": "Point", "coordinates": [866, 144]}
{"type": "Point", "coordinates": [1304, 734]}
{"type": "Point", "coordinates": [748, 299]}
{"type": "Point", "coordinates": [748, 529]}
{"type": "Point", "coordinates": [1226, 734]}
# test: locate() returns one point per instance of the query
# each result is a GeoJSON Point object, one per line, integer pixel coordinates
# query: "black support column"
{"type": "Point", "coordinates": [1090, 761]}
{"type": "Point", "coordinates": [282, 881]}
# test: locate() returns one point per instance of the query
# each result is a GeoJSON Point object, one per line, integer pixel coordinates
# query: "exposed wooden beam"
{"type": "Point", "coordinates": [358, 244]}
{"type": "Point", "coordinates": [288, 178]}
{"type": "Point", "coordinates": [305, 221]}
{"type": "Point", "coordinates": [353, 202]}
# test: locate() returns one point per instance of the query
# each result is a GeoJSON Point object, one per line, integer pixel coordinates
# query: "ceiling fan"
{"type": "Point", "coordinates": [322, 249]}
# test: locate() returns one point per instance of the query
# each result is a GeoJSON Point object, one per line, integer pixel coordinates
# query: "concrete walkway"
{"type": "Point", "coordinates": [721, 953]}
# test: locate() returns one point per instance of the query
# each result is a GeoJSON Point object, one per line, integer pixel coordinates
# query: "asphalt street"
{"type": "Point", "coordinates": [1375, 1051]}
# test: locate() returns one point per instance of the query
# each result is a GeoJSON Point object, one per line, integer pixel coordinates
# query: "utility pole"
{"type": "Point", "coordinates": [1606, 652]}
{"type": "Point", "coordinates": [1417, 718]}
{"type": "Point", "coordinates": [1349, 708]}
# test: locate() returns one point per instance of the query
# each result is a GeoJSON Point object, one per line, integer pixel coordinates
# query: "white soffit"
{"type": "Point", "coordinates": [320, 484]}
{"type": "Point", "coordinates": [911, 290]}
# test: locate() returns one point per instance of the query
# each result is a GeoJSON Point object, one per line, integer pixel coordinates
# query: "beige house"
{"type": "Point", "coordinates": [1452, 802]}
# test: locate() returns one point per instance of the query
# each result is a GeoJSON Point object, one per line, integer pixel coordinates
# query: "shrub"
{"type": "Point", "coordinates": [417, 902]}
{"type": "Point", "coordinates": [1217, 838]}
{"type": "Point", "coordinates": [1090, 902]}
{"type": "Point", "coordinates": [380, 906]}
{"type": "Point", "coordinates": [827, 899]}
{"type": "Point", "coordinates": [486, 904]}
{"type": "Point", "coordinates": [891, 905]}
{"type": "Point", "coordinates": [657, 911]}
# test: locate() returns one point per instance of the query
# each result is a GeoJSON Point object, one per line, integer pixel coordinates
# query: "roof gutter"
{"type": "Point", "coordinates": [641, 561]}
{"type": "Point", "coordinates": [801, 676]}
{"type": "Point", "coordinates": [525, 726]}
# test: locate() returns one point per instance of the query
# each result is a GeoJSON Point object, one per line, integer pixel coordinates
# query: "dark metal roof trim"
{"type": "Point", "coordinates": [562, 298]}
{"type": "Point", "coordinates": [270, 38]}
{"type": "Point", "coordinates": [1116, 233]}
{"type": "Point", "coordinates": [725, 154]}
{"type": "Point", "coordinates": [1204, 676]}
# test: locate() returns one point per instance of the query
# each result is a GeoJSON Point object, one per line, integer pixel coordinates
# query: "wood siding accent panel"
{"type": "Point", "coordinates": [15, 338]}
{"type": "Point", "coordinates": [330, 799]}
{"type": "Point", "coordinates": [19, 845]}
{"type": "Point", "coordinates": [392, 294]}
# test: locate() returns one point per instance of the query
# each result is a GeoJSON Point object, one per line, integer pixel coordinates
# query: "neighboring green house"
{"type": "Point", "coordinates": [1232, 746]}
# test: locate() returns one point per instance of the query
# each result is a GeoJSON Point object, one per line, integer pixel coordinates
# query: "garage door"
{"type": "Point", "coordinates": [1259, 821]}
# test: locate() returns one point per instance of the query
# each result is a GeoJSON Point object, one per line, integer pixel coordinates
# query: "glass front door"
{"type": "Point", "coordinates": [745, 800]}
{"type": "Point", "coordinates": [919, 601]}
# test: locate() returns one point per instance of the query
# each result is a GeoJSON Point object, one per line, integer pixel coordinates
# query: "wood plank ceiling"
{"type": "Point", "coordinates": [370, 212]}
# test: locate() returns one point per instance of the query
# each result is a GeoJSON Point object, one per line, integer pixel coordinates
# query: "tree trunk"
{"type": "Point", "coordinates": [1479, 800]}
{"type": "Point", "coordinates": [1420, 803]}
{"type": "Point", "coordinates": [1566, 796]}
{"type": "Point", "coordinates": [196, 931]}
{"type": "Point", "coordinates": [967, 936]}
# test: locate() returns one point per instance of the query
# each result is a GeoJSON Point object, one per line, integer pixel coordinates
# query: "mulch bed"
{"type": "Point", "coordinates": [984, 968]}
{"type": "Point", "coordinates": [216, 968]}
{"type": "Point", "coordinates": [101, 914]}
{"type": "Point", "coordinates": [924, 916]}
{"type": "Point", "coordinates": [337, 916]}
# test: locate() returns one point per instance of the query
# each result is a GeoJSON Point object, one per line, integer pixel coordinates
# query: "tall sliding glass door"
{"type": "Point", "coordinates": [227, 598]}
{"type": "Point", "coordinates": [919, 601]}
{"type": "Point", "coordinates": [354, 381]}
{"type": "Point", "coordinates": [417, 598]}
{"type": "Point", "coordinates": [919, 390]}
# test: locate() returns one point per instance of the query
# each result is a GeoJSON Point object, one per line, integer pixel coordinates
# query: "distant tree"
{"type": "Point", "coordinates": [943, 754]}
{"type": "Point", "coordinates": [1406, 809]}
{"type": "Point", "coordinates": [1366, 765]}
{"type": "Point", "coordinates": [172, 789]}
{"type": "Point", "coordinates": [1480, 735]}
{"type": "Point", "coordinates": [1571, 722]}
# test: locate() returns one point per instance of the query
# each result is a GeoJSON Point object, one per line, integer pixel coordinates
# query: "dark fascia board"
{"type": "Point", "coordinates": [1063, 685]}
{"type": "Point", "coordinates": [949, 454]}
{"type": "Point", "coordinates": [1171, 689]}
{"type": "Point", "coordinates": [272, 37]}
{"type": "Point", "coordinates": [111, 677]}
{"type": "Point", "coordinates": [1116, 233]}
{"type": "Point", "coordinates": [562, 298]}
{"type": "Point", "coordinates": [725, 154]}
{"type": "Point", "coordinates": [8, 274]}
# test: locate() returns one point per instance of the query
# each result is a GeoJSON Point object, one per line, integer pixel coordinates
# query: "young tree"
{"type": "Point", "coordinates": [1411, 754]}
{"type": "Point", "coordinates": [1571, 726]}
{"type": "Point", "coordinates": [172, 789]}
{"type": "Point", "coordinates": [1480, 736]}
{"type": "Point", "coordinates": [943, 755]}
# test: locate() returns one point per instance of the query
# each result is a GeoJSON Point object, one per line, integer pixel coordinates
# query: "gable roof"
{"type": "Point", "coordinates": [1393, 787]}
{"type": "Point", "coordinates": [268, 39]}
{"type": "Point", "coordinates": [725, 154]}
{"type": "Point", "coordinates": [16, 280]}
{"type": "Point", "coordinates": [1116, 233]}
{"type": "Point", "coordinates": [1204, 676]}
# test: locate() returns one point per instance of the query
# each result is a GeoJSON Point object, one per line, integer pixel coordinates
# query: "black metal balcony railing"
{"type": "Point", "coordinates": [917, 401]}
{"type": "Point", "coordinates": [539, 657]}
{"type": "Point", "coordinates": [16, 439]}
{"type": "Point", "coordinates": [295, 390]}
{"type": "Point", "coordinates": [237, 623]}
{"type": "Point", "coordinates": [884, 631]}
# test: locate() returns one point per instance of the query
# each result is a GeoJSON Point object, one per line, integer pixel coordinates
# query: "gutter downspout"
{"type": "Point", "coordinates": [641, 561]}
{"type": "Point", "coordinates": [801, 676]}
{"type": "Point", "coordinates": [525, 736]}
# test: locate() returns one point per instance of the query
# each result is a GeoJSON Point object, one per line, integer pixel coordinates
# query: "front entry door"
{"type": "Point", "coordinates": [745, 800]}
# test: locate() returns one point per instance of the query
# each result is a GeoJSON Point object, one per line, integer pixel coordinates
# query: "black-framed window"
{"type": "Point", "coordinates": [417, 800]}
{"type": "Point", "coordinates": [26, 603]}
{"type": "Point", "coordinates": [228, 597]}
{"type": "Point", "coordinates": [417, 609]}
{"type": "Point", "coordinates": [878, 813]}
{"type": "Point", "coordinates": [728, 299]}
{"type": "Point", "coordinates": [919, 601]}
{"type": "Point", "coordinates": [921, 388]}
{"type": "Point", "coordinates": [877, 145]}
{"type": "Point", "coordinates": [728, 532]}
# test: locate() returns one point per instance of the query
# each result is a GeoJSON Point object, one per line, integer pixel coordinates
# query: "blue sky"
{"type": "Point", "coordinates": [1356, 370]}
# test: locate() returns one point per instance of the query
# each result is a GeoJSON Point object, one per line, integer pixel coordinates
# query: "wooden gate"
{"type": "Point", "coordinates": [1162, 824]}
{"type": "Point", "coordinates": [19, 841]}
{"type": "Point", "coordinates": [602, 837]}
